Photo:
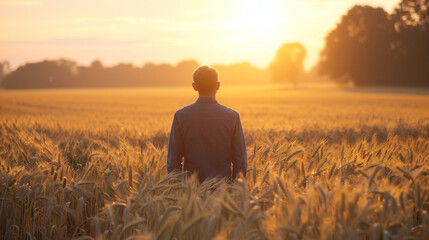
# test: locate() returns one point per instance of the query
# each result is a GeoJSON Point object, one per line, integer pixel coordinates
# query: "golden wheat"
{"type": "Point", "coordinates": [323, 164]}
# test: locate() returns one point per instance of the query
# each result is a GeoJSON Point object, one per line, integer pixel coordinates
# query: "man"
{"type": "Point", "coordinates": [206, 134]}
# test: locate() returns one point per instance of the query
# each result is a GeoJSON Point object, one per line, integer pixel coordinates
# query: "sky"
{"type": "Point", "coordinates": [166, 31]}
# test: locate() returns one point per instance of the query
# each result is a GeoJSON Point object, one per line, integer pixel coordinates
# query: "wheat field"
{"type": "Point", "coordinates": [323, 163]}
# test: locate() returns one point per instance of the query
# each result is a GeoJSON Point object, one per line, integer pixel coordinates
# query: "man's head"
{"type": "Point", "coordinates": [206, 81]}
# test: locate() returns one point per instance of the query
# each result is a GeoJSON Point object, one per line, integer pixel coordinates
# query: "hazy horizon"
{"type": "Point", "coordinates": [224, 32]}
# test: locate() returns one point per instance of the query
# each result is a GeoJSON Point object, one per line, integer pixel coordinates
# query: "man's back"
{"type": "Point", "coordinates": [209, 136]}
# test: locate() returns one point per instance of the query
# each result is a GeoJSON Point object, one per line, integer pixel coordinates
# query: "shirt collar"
{"type": "Point", "coordinates": [206, 100]}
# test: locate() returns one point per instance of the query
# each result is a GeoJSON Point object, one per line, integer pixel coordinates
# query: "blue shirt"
{"type": "Point", "coordinates": [209, 138]}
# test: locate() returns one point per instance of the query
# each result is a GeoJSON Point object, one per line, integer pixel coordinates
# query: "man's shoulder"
{"type": "Point", "coordinates": [192, 108]}
{"type": "Point", "coordinates": [228, 110]}
{"type": "Point", "coordinates": [185, 109]}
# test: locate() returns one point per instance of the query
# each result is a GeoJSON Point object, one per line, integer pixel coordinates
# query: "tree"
{"type": "Point", "coordinates": [410, 14]}
{"type": "Point", "coordinates": [359, 48]}
{"type": "Point", "coordinates": [288, 63]}
{"type": "Point", "coordinates": [4, 70]}
{"type": "Point", "coordinates": [411, 21]}
{"type": "Point", "coordinates": [47, 74]}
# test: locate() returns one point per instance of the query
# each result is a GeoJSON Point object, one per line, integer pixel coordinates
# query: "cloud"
{"type": "Point", "coordinates": [19, 3]}
{"type": "Point", "coordinates": [75, 41]}
{"type": "Point", "coordinates": [162, 24]}
{"type": "Point", "coordinates": [96, 42]}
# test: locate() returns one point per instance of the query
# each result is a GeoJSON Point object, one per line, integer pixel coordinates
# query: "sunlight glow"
{"type": "Point", "coordinates": [211, 32]}
{"type": "Point", "coordinates": [258, 16]}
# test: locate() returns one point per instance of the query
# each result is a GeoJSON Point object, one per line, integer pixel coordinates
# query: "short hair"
{"type": "Point", "coordinates": [205, 78]}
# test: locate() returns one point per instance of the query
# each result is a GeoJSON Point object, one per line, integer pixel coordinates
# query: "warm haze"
{"type": "Point", "coordinates": [100, 121]}
{"type": "Point", "coordinates": [166, 31]}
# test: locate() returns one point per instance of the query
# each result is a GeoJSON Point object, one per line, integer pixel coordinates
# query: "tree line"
{"type": "Point", "coordinates": [63, 73]}
{"type": "Point", "coordinates": [371, 47]}
{"type": "Point", "coordinates": [367, 47]}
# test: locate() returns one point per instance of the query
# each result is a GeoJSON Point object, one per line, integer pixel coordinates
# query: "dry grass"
{"type": "Point", "coordinates": [323, 164]}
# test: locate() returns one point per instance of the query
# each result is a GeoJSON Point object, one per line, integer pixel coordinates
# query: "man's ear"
{"type": "Point", "coordinates": [194, 86]}
{"type": "Point", "coordinates": [217, 86]}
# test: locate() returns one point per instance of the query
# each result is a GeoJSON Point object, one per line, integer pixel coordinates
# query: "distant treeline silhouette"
{"type": "Point", "coordinates": [371, 47]}
{"type": "Point", "coordinates": [287, 66]}
{"type": "Point", "coordinates": [65, 73]}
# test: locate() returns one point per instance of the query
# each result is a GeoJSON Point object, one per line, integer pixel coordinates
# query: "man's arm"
{"type": "Point", "coordinates": [239, 155]}
{"type": "Point", "coordinates": [175, 147]}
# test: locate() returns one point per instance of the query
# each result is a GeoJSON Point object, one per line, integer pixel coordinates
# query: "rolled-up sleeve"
{"type": "Point", "coordinates": [175, 147]}
{"type": "Point", "coordinates": [239, 155]}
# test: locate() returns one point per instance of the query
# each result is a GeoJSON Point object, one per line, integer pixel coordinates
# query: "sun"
{"type": "Point", "coordinates": [258, 16]}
